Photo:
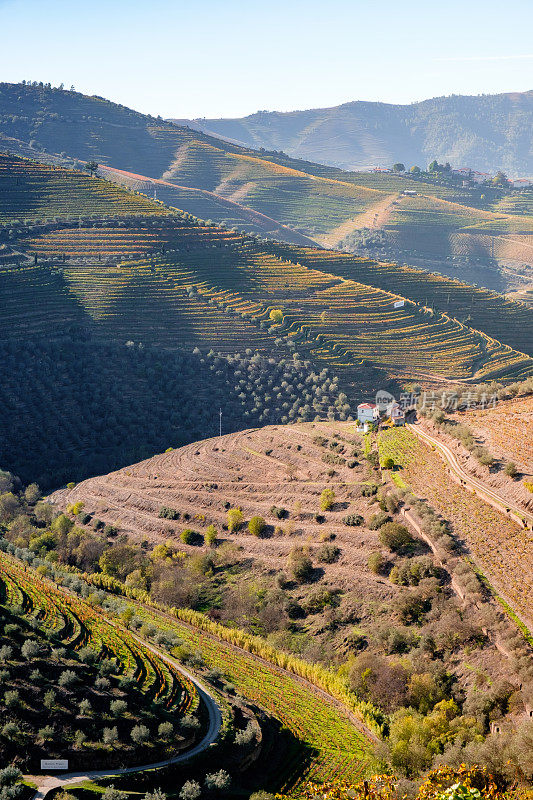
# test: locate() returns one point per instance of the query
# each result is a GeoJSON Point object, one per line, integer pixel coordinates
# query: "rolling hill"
{"type": "Point", "coordinates": [486, 133]}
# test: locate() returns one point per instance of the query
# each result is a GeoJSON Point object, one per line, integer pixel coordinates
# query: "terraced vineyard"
{"type": "Point", "coordinates": [336, 747]}
{"type": "Point", "coordinates": [174, 281]}
{"type": "Point", "coordinates": [31, 190]}
{"type": "Point", "coordinates": [330, 744]}
{"type": "Point", "coordinates": [77, 626]}
{"type": "Point", "coordinates": [503, 319]}
{"type": "Point", "coordinates": [501, 547]}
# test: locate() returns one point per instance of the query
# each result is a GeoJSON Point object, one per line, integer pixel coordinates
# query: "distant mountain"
{"type": "Point", "coordinates": [486, 133]}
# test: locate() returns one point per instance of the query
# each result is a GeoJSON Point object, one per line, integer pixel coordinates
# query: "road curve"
{"type": "Point", "coordinates": [46, 783]}
{"type": "Point", "coordinates": [479, 488]}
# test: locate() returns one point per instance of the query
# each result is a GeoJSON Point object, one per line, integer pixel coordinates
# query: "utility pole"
{"type": "Point", "coordinates": [220, 425]}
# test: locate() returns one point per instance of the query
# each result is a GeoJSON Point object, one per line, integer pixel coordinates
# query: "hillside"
{"type": "Point", "coordinates": [486, 133]}
{"type": "Point", "coordinates": [306, 565]}
{"type": "Point", "coordinates": [267, 192]}
{"type": "Point", "coordinates": [107, 268]}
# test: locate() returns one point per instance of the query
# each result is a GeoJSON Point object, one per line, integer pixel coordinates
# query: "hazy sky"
{"type": "Point", "coordinates": [232, 57]}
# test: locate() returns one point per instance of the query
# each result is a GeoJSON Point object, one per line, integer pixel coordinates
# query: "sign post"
{"type": "Point", "coordinates": [54, 763]}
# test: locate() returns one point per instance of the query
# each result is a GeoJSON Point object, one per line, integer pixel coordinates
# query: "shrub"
{"type": "Point", "coordinates": [388, 463]}
{"type": "Point", "coordinates": [110, 736]}
{"type": "Point", "coordinates": [211, 536]}
{"type": "Point", "coordinates": [140, 734]}
{"type": "Point", "coordinates": [67, 678]}
{"type": "Point", "coordinates": [11, 698]}
{"type": "Point", "coordinates": [118, 707]}
{"type": "Point", "coordinates": [235, 519]}
{"type": "Point", "coordinates": [353, 520]}
{"type": "Point", "coordinates": [395, 536]}
{"type": "Point", "coordinates": [510, 469]}
{"type": "Point", "coordinates": [280, 513]}
{"type": "Point", "coordinates": [256, 526]}
{"type": "Point", "coordinates": [300, 565]}
{"type": "Point", "coordinates": [188, 536]}
{"type": "Point", "coordinates": [328, 553]}
{"type": "Point", "coordinates": [30, 649]}
{"type": "Point", "coordinates": [327, 499]}
{"type": "Point", "coordinates": [369, 490]}
{"type": "Point", "coordinates": [165, 730]}
{"type": "Point", "coordinates": [318, 601]}
{"type": "Point", "coordinates": [378, 520]}
{"type": "Point", "coordinates": [376, 562]}
{"type": "Point", "coordinates": [190, 790]}
{"type": "Point", "coordinates": [217, 780]}
{"type": "Point", "coordinates": [168, 513]}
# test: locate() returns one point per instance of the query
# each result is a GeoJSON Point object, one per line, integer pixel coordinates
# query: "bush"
{"type": "Point", "coordinates": [369, 490]}
{"type": "Point", "coordinates": [189, 536]}
{"type": "Point", "coordinates": [168, 513]}
{"type": "Point", "coordinates": [395, 536]}
{"type": "Point", "coordinates": [190, 790]}
{"type": "Point", "coordinates": [235, 519]}
{"type": "Point", "coordinates": [165, 730]}
{"type": "Point", "coordinates": [211, 536]}
{"type": "Point", "coordinates": [387, 463]}
{"type": "Point", "coordinates": [376, 562]}
{"type": "Point", "coordinates": [256, 526]}
{"type": "Point", "coordinates": [327, 499]}
{"type": "Point", "coordinates": [353, 519]}
{"type": "Point", "coordinates": [510, 469]}
{"type": "Point", "coordinates": [328, 553]}
{"type": "Point", "coordinates": [300, 565]}
{"type": "Point", "coordinates": [217, 780]}
{"type": "Point", "coordinates": [378, 520]}
{"type": "Point", "coordinates": [280, 513]}
{"type": "Point", "coordinates": [140, 734]}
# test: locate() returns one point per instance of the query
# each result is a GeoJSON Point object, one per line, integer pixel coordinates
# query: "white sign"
{"type": "Point", "coordinates": [54, 763]}
{"type": "Point", "coordinates": [399, 304]}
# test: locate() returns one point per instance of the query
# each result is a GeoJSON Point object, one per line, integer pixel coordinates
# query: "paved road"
{"type": "Point", "coordinates": [45, 783]}
{"type": "Point", "coordinates": [502, 503]}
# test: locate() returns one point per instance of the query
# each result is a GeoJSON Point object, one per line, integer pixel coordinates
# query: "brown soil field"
{"type": "Point", "coordinates": [507, 431]}
{"type": "Point", "coordinates": [278, 466]}
{"type": "Point", "coordinates": [254, 470]}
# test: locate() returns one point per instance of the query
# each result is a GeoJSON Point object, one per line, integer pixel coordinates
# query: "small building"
{"type": "Point", "coordinates": [410, 193]}
{"type": "Point", "coordinates": [367, 412]}
{"type": "Point", "coordinates": [397, 414]}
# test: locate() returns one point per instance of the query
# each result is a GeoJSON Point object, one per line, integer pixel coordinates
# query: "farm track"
{"type": "Point", "coordinates": [47, 783]}
{"type": "Point", "coordinates": [479, 488]}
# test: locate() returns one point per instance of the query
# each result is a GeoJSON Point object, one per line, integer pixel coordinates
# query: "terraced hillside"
{"type": "Point", "coordinates": [502, 548]}
{"type": "Point", "coordinates": [201, 285]}
{"type": "Point", "coordinates": [301, 558]}
{"type": "Point", "coordinates": [267, 191]}
{"type": "Point", "coordinates": [90, 649]}
{"type": "Point", "coordinates": [335, 746]}
{"type": "Point", "coordinates": [31, 190]}
{"type": "Point", "coordinates": [480, 308]}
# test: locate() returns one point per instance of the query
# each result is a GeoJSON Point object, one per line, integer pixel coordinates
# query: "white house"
{"type": "Point", "coordinates": [397, 414]}
{"type": "Point", "coordinates": [367, 412]}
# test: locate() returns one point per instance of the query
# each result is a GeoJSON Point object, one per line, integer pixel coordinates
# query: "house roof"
{"type": "Point", "coordinates": [366, 405]}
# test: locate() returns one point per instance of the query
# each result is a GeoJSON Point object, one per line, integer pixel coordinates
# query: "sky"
{"type": "Point", "coordinates": [230, 58]}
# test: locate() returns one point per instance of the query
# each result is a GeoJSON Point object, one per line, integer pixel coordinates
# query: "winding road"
{"type": "Point", "coordinates": [46, 783]}
{"type": "Point", "coordinates": [481, 489]}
